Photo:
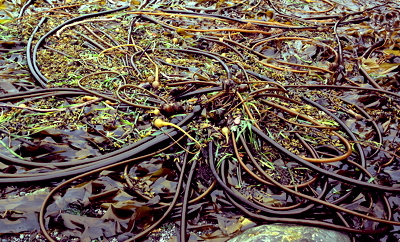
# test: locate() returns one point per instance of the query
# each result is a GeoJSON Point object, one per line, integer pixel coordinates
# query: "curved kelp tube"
{"type": "Point", "coordinates": [32, 57]}
{"type": "Point", "coordinates": [133, 150]}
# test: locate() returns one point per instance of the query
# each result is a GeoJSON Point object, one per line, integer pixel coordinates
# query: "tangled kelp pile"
{"type": "Point", "coordinates": [204, 117]}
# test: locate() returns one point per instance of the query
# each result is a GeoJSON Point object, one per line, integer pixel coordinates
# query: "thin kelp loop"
{"type": "Point", "coordinates": [367, 117]}
{"type": "Point", "coordinates": [156, 75]}
{"type": "Point", "coordinates": [330, 204]}
{"type": "Point", "coordinates": [302, 116]}
{"type": "Point", "coordinates": [222, 182]}
{"type": "Point", "coordinates": [79, 82]}
{"type": "Point", "coordinates": [322, 171]}
{"type": "Point", "coordinates": [255, 176]}
{"type": "Point", "coordinates": [147, 92]}
{"type": "Point", "coordinates": [219, 41]}
{"type": "Point", "coordinates": [321, 195]}
{"type": "Point", "coordinates": [190, 50]}
{"type": "Point", "coordinates": [299, 124]}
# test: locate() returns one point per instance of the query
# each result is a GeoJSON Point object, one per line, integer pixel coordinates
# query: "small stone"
{"type": "Point", "coordinates": [296, 233]}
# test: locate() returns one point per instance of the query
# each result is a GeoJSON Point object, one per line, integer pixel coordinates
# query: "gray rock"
{"type": "Point", "coordinates": [289, 233]}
